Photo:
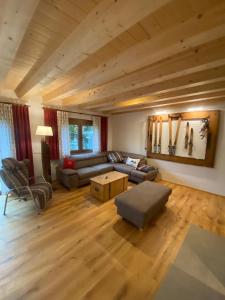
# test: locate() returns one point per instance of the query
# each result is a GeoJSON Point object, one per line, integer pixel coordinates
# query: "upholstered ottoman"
{"type": "Point", "coordinates": [142, 203]}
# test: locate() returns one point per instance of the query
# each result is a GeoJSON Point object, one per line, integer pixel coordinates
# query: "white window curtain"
{"type": "Point", "coordinates": [97, 133]}
{"type": "Point", "coordinates": [7, 141]}
{"type": "Point", "coordinates": [63, 133]}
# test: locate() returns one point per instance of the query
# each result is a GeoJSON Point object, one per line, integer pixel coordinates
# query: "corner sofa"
{"type": "Point", "coordinates": [94, 164]}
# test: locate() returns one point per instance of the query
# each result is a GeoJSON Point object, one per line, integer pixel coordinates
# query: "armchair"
{"type": "Point", "coordinates": [15, 175]}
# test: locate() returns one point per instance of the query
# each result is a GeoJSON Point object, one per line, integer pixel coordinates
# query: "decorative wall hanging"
{"type": "Point", "coordinates": [188, 137]}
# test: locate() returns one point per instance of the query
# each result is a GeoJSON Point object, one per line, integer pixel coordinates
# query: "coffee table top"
{"type": "Point", "coordinates": [108, 177]}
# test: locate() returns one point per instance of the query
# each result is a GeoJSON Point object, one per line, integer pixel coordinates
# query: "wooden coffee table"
{"type": "Point", "coordinates": [108, 185]}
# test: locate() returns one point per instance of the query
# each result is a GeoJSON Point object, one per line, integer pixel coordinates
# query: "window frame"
{"type": "Point", "coordinates": [80, 123]}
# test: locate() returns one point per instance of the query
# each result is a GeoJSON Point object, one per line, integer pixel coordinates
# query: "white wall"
{"type": "Point", "coordinates": [128, 133]}
{"type": "Point", "coordinates": [109, 146]}
{"type": "Point", "coordinates": [36, 118]}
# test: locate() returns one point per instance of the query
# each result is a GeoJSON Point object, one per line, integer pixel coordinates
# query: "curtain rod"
{"type": "Point", "coordinates": [2, 102]}
{"type": "Point", "coordinates": [75, 112]}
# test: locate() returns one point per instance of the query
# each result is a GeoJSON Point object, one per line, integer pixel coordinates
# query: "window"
{"type": "Point", "coordinates": [6, 147]}
{"type": "Point", "coordinates": [74, 137]}
{"type": "Point", "coordinates": [81, 135]}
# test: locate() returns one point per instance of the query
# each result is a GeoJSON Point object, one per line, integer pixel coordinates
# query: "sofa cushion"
{"type": "Point", "coordinates": [87, 159]}
{"type": "Point", "coordinates": [103, 168]}
{"type": "Point", "coordinates": [87, 172]}
{"type": "Point", "coordinates": [139, 174]}
{"type": "Point", "coordinates": [123, 168]}
{"type": "Point", "coordinates": [151, 175]}
{"type": "Point", "coordinates": [133, 155]}
{"type": "Point", "coordinates": [91, 161]}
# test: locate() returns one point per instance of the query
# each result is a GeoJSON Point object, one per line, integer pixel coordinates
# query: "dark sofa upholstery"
{"type": "Point", "coordinates": [142, 203]}
{"type": "Point", "coordinates": [93, 164]}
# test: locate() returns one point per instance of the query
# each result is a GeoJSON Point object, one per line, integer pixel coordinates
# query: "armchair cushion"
{"type": "Point", "coordinates": [9, 163]}
{"type": "Point", "coordinates": [17, 170]}
{"type": "Point", "coordinates": [15, 176]}
{"type": "Point", "coordinates": [42, 192]}
{"type": "Point", "coordinates": [22, 177]}
{"type": "Point", "coordinates": [10, 180]}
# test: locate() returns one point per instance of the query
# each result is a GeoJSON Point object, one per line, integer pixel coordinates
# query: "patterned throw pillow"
{"type": "Point", "coordinates": [133, 162]}
{"type": "Point", "coordinates": [146, 168]}
{"type": "Point", "coordinates": [115, 157]}
{"type": "Point", "coordinates": [142, 162]}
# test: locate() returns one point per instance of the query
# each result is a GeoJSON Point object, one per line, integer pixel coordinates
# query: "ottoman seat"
{"type": "Point", "coordinates": [142, 203]}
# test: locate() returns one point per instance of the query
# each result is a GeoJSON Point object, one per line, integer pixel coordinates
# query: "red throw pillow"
{"type": "Point", "coordinates": [68, 163]}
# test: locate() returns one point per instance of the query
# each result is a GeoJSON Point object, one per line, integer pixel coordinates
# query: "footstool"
{"type": "Point", "coordinates": [142, 203]}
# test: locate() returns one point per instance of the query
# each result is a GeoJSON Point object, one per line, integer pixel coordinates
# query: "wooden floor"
{"type": "Point", "coordinates": [80, 249]}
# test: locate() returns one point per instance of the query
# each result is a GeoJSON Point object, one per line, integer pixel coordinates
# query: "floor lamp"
{"type": "Point", "coordinates": [45, 151]}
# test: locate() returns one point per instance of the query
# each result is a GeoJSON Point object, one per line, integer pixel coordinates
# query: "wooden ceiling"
{"type": "Point", "coordinates": [113, 56]}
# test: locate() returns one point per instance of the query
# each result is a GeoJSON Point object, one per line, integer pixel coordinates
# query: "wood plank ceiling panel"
{"type": "Point", "coordinates": [102, 25]}
{"type": "Point", "coordinates": [193, 31]}
{"type": "Point", "coordinates": [52, 22]}
{"type": "Point", "coordinates": [112, 49]}
{"type": "Point", "coordinates": [151, 79]}
{"type": "Point", "coordinates": [149, 28]}
{"type": "Point", "coordinates": [113, 56]}
{"type": "Point", "coordinates": [194, 89]}
{"type": "Point", "coordinates": [14, 19]}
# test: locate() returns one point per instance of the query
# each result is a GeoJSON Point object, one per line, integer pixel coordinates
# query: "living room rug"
{"type": "Point", "coordinates": [198, 272]}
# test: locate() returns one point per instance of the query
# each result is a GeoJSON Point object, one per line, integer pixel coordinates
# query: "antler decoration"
{"type": "Point", "coordinates": [204, 131]}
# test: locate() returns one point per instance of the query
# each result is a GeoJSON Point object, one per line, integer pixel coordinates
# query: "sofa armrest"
{"type": "Point", "coordinates": [151, 175]}
{"type": "Point", "coordinates": [67, 177]}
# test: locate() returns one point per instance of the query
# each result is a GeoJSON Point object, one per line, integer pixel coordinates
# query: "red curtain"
{"type": "Point", "coordinates": [22, 134]}
{"type": "Point", "coordinates": [50, 119]}
{"type": "Point", "coordinates": [104, 133]}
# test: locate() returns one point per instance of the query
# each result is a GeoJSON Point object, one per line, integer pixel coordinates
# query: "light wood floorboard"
{"type": "Point", "coordinates": [80, 249]}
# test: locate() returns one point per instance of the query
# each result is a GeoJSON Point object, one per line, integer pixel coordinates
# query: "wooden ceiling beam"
{"type": "Point", "coordinates": [15, 17]}
{"type": "Point", "coordinates": [102, 92]}
{"type": "Point", "coordinates": [208, 74]}
{"type": "Point", "coordinates": [104, 23]}
{"type": "Point", "coordinates": [173, 41]}
{"type": "Point", "coordinates": [202, 87]}
{"type": "Point", "coordinates": [198, 101]}
{"type": "Point", "coordinates": [189, 92]}
{"type": "Point", "coordinates": [154, 100]}
{"type": "Point", "coordinates": [139, 83]}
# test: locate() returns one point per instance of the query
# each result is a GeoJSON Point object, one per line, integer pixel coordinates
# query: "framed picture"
{"type": "Point", "coordinates": [187, 137]}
